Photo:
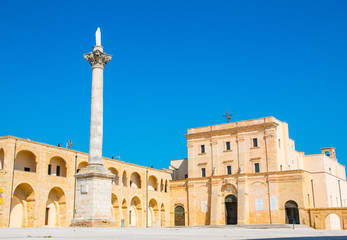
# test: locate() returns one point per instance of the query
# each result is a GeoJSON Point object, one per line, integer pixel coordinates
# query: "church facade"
{"type": "Point", "coordinates": [245, 172]}
{"type": "Point", "coordinates": [249, 172]}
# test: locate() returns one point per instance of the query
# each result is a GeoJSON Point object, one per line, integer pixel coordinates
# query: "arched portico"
{"type": "Point", "coordinates": [115, 209]}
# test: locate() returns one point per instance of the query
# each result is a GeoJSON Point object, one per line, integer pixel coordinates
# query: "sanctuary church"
{"type": "Point", "coordinates": [245, 172]}
{"type": "Point", "coordinates": [239, 173]}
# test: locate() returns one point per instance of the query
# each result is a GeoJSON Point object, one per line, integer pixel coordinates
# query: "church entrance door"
{"type": "Point", "coordinates": [179, 216]}
{"type": "Point", "coordinates": [292, 213]}
{"type": "Point", "coordinates": [231, 209]}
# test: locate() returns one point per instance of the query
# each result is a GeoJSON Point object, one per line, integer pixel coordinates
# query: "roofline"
{"type": "Point", "coordinates": [75, 151]}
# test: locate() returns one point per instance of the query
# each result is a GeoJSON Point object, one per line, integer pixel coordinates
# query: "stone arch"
{"type": "Point", "coordinates": [231, 209]}
{"type": "Point", "coordinates": [124, 212]}
{"type": "Point", "coordinates": [57, 167]}
{"type": "Point", "coordinates": [152, 183]}
{"type": "Point", "coordinates": [2, 158]}
{"type": "Point", "coordinates": [55, 212]}
{"type": "Point", "coordinates": [25, 161]}
{"type": "Point", "coordinates": [332, 222]}
{"type": "Point", "coordinates": [22, 212]}
{"type": "Point", "coordinates": [135, 180]}
{"type": "Point", "coordinates": [161, 185]}
{"type": "Point", "coordinates": [162, 215]}
{"type": "Point", "coordinates": [292, 212]}
{"type": "Point", "coordinates": [124, 179]}
{"type": "Point", "coordinates": [115, 208]}
{"type": "Point", "coordinates": [115, 174]}
{"type": "Point", "coordinates": [165, 187]}
{"type": "Point", "coordinates": [229, 188]}
{"type": "Point", "coordinates": [153, 213]}
{"type": "Point", "coordinates": [81, 165]}
{"type": "Point", "coordinates": [135, 212]}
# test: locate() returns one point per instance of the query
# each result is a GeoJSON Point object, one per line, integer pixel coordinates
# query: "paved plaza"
{"type": "Point", "coordinates": [190, 233]}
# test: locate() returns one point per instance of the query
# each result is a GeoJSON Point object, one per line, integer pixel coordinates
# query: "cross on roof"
{"type": "Point", "coordinates": [228, 116]}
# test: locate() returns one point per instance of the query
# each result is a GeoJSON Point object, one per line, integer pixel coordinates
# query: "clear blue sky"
{"type": "Point", "coordinates": [176, 65]}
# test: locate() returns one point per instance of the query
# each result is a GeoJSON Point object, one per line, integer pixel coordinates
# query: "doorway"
{"type": "Point", "coordinates": [292, 213]}
{"type": "Point", "coordinates": [179, 216]}
{"type": "Point", "coordinates": [231, 210]}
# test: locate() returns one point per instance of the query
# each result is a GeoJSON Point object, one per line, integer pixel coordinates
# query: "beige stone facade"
{"type": "Point", "coordinates": [245, 172]}
{"type": "Point", "coordinates": [249, 172]}
{"type": "Point", "coordinates": [41, 179]}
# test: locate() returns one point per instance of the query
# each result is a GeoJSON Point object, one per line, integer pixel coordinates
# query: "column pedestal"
{"type": "Point", "coordinates": [93, 198]}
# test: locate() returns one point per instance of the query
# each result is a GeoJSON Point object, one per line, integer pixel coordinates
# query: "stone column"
{"type": "Point", "coordinates": [94, 183]}
{"type": "Point", "coordinates": [216, 203]}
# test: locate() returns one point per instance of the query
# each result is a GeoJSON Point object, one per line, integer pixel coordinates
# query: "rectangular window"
{"type": "Point", "coordinates": [58, 171]}
{"type": "Point", "coordinates": [49, 169]}
{"type": "Point", "coordinates": [229, 170]}
{"type": "Point", "coordinates": [203, 172]}
{"type": "Point", "coordinates": [256, 167]}
{"type": "Point", "coordinates": [185, 175]}
{"type": "Point", "coordinates": [255, 142]}
{"type": "Point", "coordinates": [27, 169]}
{"type": "Point", "coordinates": [227, 146]}
{"type": "Point", "coordinates": [202, 149]}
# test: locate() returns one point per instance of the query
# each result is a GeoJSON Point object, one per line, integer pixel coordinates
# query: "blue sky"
{"type": "Point", "coordinates": [176, 65]}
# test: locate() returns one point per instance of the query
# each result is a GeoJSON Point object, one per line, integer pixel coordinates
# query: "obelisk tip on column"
{"type": "Point", "coordinates": [98, 37]}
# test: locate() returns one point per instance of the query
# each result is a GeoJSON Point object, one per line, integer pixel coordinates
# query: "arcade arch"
{"type": "Point", "coordinates": [23, 206]}
{"type": "Point", "coordinates": [115, 175]}
{"type": "Point", "coordinates": [55, 211]}
{"type": "Point", "coordinates": [135, 212]}
{"type": "Point", "coordinates": [81, 165]}
{"type": "Point", "coordinates": [57, 167]}
{"type": "Point", "coordinates": [135, 180]}
{"type": "Point", "coordinates": [124, 179]}
{"type": "Point", "coordinates": [115, 208]}
{"type": "Point", "coordinates": [152, 183]}
{"type": "Point", "coordinates": [25, 161]}
{"type": "Point", "coordinates": [153, 213]}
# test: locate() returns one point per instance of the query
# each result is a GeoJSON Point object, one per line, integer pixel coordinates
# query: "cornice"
{"type": "Point", "coordinates": [233, 130]}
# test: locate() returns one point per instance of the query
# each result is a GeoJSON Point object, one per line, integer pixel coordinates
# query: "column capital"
{"type": "Point", "coordinates": [97, 58]}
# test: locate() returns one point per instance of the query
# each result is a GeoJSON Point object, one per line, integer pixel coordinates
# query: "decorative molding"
{"type": "Point", "coordinates": [97, 59]}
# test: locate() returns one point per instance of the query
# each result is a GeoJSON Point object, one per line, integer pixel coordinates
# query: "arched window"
{"type": "Point", "coordinates": [25, 161]}
{"type": "Point", "coordinates": [165, 186]}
